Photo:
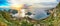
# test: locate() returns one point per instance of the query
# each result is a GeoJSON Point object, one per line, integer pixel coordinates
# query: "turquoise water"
{"type": "Point", "coordinates": [2, 9]}
{"type": "Point", "coordinates": [58, 0]}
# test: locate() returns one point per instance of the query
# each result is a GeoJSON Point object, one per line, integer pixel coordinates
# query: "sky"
{"type": "Point", "coordinates": [3, 3]}
{"type": "Point", "coordinates": [8, 2]}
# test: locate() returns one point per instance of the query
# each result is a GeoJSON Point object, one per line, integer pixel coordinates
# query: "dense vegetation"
{"type": "Point", "coordinates": [52, 20]}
